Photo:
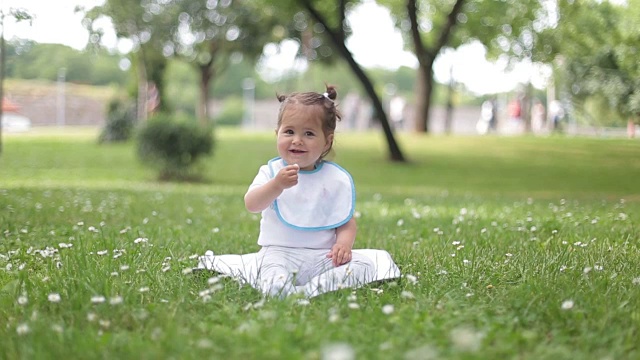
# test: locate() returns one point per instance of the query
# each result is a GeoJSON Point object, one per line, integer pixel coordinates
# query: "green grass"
{"type": "Point", "coordinates": [493, 235]}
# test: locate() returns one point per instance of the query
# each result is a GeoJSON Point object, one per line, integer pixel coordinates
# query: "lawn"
{"type": "Point", "coordinates": [515, 247]}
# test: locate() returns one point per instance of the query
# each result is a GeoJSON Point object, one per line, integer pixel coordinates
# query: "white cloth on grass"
{"type": "Point", "coordinates": [368, 265]}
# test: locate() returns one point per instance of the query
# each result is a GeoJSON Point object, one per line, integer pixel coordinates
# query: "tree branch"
{"type": "Point", "coordinates": [339, 44]}
{"type": "Point", "coordinates": [451, 22]}
{"type": "Point", "coordinates": [423, 53]}
{"type": "Point", "coordinates": [342, 18]}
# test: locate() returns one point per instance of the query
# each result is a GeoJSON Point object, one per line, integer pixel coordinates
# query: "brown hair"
{"type": "Point", "coordinates": [315, 103]}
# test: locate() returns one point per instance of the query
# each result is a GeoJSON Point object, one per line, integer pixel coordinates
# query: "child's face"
{"type": "Point", "coordinates": [301, 139]}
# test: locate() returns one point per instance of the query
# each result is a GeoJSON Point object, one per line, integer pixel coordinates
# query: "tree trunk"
{"type": "Point", "coordinates": [395, 154]}
{"type": "Point", "coordinates": [206, 73]}
{"type": "Point", "coordinates": [448, 118]}
{"type": "Point", "coordinates": [424, 93]}
{"type": "Point", "coordinates": [426, 57]}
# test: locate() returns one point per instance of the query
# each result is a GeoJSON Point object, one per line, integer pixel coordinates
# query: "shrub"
{"type": "Point", "coordinates": [174, 146]}
{"type": "Point", "coordinates": [121, 119]}
{"type": "Point", "coordinates": [231, 113]}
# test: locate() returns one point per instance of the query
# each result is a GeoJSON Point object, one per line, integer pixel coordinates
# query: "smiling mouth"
{"type": "Point", "coordinates": [297, 151]}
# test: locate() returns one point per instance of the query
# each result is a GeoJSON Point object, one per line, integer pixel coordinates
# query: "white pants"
{"type": "Point", "coordinates": [282, 271]}
{"type": "Point", "coordinates": [285, 271]}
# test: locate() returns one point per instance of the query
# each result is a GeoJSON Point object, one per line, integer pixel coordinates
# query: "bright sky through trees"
{"type": "Point", "coordinates": [375, 43]}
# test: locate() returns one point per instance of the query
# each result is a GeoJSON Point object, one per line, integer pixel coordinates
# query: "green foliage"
{"type": "Point", "coordinates": [231, 113]}
{"type": "Point", "coordinates": [18, 14]}
{"type": "Point", "coordinates": [595, 49]}
{"type": "Point", "coordinates": [229, 82]}
{"type": "Point", "coordinates": [174, 146]}
{"type": "Point", "coordinates": [223, 29]}
{"type": "Point", "coordinates": [120, 123]}
{"type": "Point", "coordinates": [155, 64]}
{"type": "Point", "coordinates": [296, 23]}
{"type": "Point", "coordinates": [181, 87]}
{"type": "Point", "coordinates": [505, 27]}
{"type": "Point", "coordinates": [129, 18]}
{"type": "Point", "coordinates": [595, 110]}
{"type": "Point", "coordinates": [30, 60]}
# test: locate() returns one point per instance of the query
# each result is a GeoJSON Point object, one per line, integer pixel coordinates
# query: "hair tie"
{"type": "Point", "coordinates": [327, 96]}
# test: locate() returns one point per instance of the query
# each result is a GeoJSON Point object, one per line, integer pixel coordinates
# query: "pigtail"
{"type": "Point", "coordinates": [330, 92]}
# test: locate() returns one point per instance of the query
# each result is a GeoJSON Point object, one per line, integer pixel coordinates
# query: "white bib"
{"type": "Point", "coordinates": [323, 199]}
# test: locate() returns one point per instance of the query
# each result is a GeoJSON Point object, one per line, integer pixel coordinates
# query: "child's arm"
{"type": "Point", "coordinates": [261, 197]}
{"type": "Point", "coordinates": [345, 237]}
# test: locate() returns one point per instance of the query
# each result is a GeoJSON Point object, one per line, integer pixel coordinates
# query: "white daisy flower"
{"type": "Point", "coordinates": [116, 300]}
{"type": "Point", "coordinates": [99, 299]}
{"type": "Point", "coordinates": [338, 352]}
{"type": "Point", "coordinates": [411, 278]}
{"type": "Point", "coordinates": [388, 309]}
{"type": "Point", "coordinates": [567, 305]}
{"type": "Point", "coordinates": [57, 328]}
{"type": "Point", "coordinates": [23, 329]}
{"type": "Point", "coordinates": [407, 295]}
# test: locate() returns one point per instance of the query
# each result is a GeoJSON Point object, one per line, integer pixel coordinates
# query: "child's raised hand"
{"type": "Point", "coordinates": [288, 176]}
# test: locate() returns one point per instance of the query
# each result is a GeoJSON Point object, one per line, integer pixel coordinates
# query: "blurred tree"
{"type": "Point", "coordinates": [403, 79]}
{"type": "Point", "coordinates": [211, 35]}
{"type": "Point", "coordinates": [595, 47]}
{"type": "Point", "coordinates": [322, 29]}
{"type": "Point", "coordinates": [505, 27]}
{"type": "Point", "coordinates": [629, 54]}
{"type": "Point", "coordinates": [144, 23]}
{"type": "Point", "coordinates": [228, 83]}
{"type": "Point", "coordinates": [106, 70]}
{"type": "Point", "coordinates": [30, 60]}
{"type": "Point", "coordinates": [184, 85]}
{"type": "Point", "coordinates": [16, 15]}
{"type": "Point", "coordinates": [13, 50]}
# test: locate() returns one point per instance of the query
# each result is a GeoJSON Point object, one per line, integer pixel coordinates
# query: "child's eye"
{"type": "Point", "coordinates": [288, 132]}
{"type": "Point", "coordinates": [309, 133]}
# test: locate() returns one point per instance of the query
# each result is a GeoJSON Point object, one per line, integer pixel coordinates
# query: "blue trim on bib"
{"type": "Point", "coordinates": [318, 228]}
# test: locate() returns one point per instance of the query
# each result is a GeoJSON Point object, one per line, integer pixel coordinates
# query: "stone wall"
{"type": "Point", "coordinates": [41, 102]}
{"type": "Point", "coordinates": [43, 110]}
